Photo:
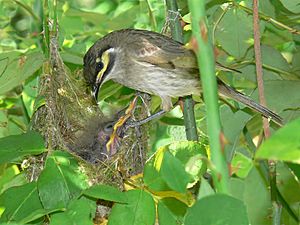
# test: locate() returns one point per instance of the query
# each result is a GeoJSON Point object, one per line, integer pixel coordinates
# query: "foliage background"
{"type": "Point", "coordinates": [81, 23]}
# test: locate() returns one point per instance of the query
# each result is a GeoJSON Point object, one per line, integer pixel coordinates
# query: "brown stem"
{"type": "Point", "coordinates": [258, 61]}
{"type": "Point", "coordinates": [259, 76]}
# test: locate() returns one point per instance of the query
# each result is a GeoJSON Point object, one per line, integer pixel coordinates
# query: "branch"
{"type": "Point", "coordinates": [258, 65]}
{"type": "Point", "coordinates": [188, 106]}
{"type": "Point", "coordinates": [206, 62]}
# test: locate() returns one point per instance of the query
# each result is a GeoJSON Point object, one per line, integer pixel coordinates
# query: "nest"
{"type": "Point", "coordinates": [72, 121]}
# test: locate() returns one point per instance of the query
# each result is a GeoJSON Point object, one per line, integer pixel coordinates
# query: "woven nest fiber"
{"type": "Point", "coordinates": [72, 121]}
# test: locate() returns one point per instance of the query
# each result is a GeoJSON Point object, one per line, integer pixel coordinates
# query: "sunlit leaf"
{"type": "Point", "coordinates": [241, 165]}
{"type": "Point", "coordinates": [282, 145]}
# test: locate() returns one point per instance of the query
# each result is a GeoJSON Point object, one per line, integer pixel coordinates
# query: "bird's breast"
{"type": "Point", "coordinates": [152, 79]}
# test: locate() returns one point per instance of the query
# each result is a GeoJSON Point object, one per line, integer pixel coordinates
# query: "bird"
{"type": "Point", "coordinates": [156, 64]}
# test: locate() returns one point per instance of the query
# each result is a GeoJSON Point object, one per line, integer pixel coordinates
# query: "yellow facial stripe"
{"type": "Point", "coordinates": [105, 60]}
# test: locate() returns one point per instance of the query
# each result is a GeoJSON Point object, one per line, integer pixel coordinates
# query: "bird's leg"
{"type": "Point", "coordinates": [149, 118]}
{"type": "Point", "coordinates": [146, 120]}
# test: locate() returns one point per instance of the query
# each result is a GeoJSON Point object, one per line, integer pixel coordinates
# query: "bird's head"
{"type": "Point", "coordinates": [97, 67]}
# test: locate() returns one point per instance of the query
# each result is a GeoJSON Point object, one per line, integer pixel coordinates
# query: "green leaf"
{"type": "Point", "coordinates": [190, 154]}
{"type": "Point", "coordinates": [29, 95]}
{"type": "Point", "coordinates": [234, 32]}
{"type": "Point", "coordinates": [256, 196]}
{"type": "Point", "coordinates": [237, 188]}
{"type": "Point", "coordinates": [277, 61]}
{"type": "Point", "coordinates": [139, 210]}
{"type": "Point", "coordinates": [295, 168]}
{"type": "Point", "coordinates": [173, 173]}
{"type": "Point", "coordinates": [292, 5]}
{"type": "Point", "coordinates": [22, 204]}
{"type": "Point", "coordinates": [153, 179]}
{"type": "Point", "coordinates": [17, 71]}
{"type": "Point", "coordinates": [71, 58]}
{"type": "Point", "coordinates": [287, 184]}
{"type": "Point", "coordinates": [108, 89]}
{"type": "Point", "coordinates": [79, 211]}
{"type": "Point", "coordinates": [230, 211]}
{"type": "Point", "coordinates": [295, 62]}
{"type": "Point", "coordinates": [106, 192]}
{"type": "Point", "coordinates": [283, 145]}
{"type": "Point", "coordinates": [170, 211]}
{"type": "Point", "coordinates": [15, 147]}
{"type": "Point", "coordinates": [172, 121]}
{"type": "Point", "coordinates": [4, 129]}
{"type": "Point", "coordinates": [10, 177]}
{"type": "Point", "coordinates": [60, 181]}
{"type": "Point", "coordinates": [241, 165]}
{"type": "Point", "coordinates": [174, 166]}
{"type": "Point", "coordinates": [233, 124]}
{"type": "Point", "coordinates": [205, 189]}
{"type": "Point", "coordinates": [281, 101]}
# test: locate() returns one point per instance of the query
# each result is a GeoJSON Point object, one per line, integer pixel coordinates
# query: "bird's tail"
{"type": "Point", "coordinates": [228, 91]}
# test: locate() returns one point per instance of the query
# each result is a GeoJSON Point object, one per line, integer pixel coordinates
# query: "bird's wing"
{"type": "Point", "coordinates": [164, 52]}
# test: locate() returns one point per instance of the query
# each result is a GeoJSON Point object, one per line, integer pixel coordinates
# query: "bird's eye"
{"type": "Point", "coordinates": [99, 66]}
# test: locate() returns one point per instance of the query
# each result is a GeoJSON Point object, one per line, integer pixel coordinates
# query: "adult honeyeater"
{"type": "Point", "coordinates": [153, 63]}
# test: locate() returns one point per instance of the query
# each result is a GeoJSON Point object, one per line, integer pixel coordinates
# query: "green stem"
{"type": "Point", "coordinates": [205, 57]}
{"type": "Point", "coordinates": [188, 105]}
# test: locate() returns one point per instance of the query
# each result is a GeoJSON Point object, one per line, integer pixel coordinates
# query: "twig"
{"type": "Point", "coordinates": [258, 65]}
{"type": "Point", "coordinates": [259, 74]}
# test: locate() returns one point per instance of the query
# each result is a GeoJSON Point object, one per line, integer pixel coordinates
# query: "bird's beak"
{"type": "Point", "coordinates": [95, 91]}
{"type": "Point", "coordinates": [97, 85]}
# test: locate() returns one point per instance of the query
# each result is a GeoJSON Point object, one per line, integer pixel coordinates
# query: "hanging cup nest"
{"type": "Point", "coordinates": [71, 120]}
